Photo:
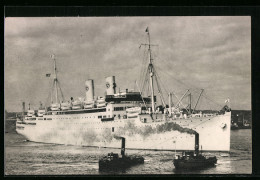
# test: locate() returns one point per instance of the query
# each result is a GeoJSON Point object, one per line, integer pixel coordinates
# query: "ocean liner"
{"type": "Point", "coordinates": [99, 121]}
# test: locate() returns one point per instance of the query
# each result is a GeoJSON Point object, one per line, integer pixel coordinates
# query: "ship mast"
{"type": "Point", "coordinates": [55, 89]}
{"type": "Point", "coordinates": [151, 71]}
{"type": "Point", "coordinates": [55, 78]}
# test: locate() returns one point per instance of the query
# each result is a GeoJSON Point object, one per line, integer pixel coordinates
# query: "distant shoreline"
{"type": "Point", "coordinates": [10, 119]}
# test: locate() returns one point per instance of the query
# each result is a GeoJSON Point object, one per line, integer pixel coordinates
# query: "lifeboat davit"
{"type": "Point", "coordinates": [133, 112]}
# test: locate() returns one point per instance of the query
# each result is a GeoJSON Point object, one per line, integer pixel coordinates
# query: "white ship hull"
{"type": "Point", "coordinates": [89, 130]}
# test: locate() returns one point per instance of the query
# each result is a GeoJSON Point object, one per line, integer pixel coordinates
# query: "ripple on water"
{"type": "Point", "coordinates": [28, 158]}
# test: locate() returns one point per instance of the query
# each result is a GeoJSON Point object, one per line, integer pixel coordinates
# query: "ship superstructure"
{"type": "Point", "coordinates": [97, 121]}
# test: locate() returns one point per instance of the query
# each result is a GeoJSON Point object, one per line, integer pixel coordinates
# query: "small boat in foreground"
{"type": "Point", "coordinates": [114, 162]}
{"type": "Point", "coordinates": [194, 160]}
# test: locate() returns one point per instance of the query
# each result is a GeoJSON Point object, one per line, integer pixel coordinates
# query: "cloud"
{"type": "Point", "coordinates": [201, 52]}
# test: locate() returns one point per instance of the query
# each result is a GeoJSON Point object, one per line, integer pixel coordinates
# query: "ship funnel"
{"type": "Point", "coordinates": [23, 109]}
{"type": "Point", "coordinates": [110, 85]}
{"type": "Point", "coordinates": [89, 85]}
{"type": "Point", "coordinates": [196, 143]}
{"type": "Point", "coordinates": [123, 147]}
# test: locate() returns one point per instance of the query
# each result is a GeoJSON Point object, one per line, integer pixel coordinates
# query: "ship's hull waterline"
{"type": "Point", "coordinates": [157, 135]}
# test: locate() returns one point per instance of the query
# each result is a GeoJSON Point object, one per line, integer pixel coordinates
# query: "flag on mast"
{"type": "Point", "coordinates": [52, 56]}
{"type": "Point", "coordinates": [227, 100]}
{"type": "Point", "coordinates": [147, 30]}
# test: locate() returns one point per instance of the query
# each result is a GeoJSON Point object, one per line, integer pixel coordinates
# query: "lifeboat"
{"type": "Point", "coordinates": [41, 112]}
{"type": "Point", "coordinates": [133, 112]}
{"type": "Point", "coordinates": [65, 106]}
{"type": "Point", "coordinates": [101, 104]}
{"type": "Point", "coordinates": [88, 106]}
{"type": "Point", "coordinates": [55, 107]}
{"type": "Point", "coordinates": [76, 105]}
{"type": "Point", "coordinates": [30, 112]}
{"type": "Point", "coordinates": [132, 115]}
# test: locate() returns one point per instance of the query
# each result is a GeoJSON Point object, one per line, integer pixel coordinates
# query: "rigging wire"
{"type": "Point", "coordinates": [159, 90]}
{"type": "Point", "coordinates": [49, 95]}
{"type": "Point", "coordinates": [143, 67]}
{"type": "Point", "coordinates": [52, 91]}
{"type": "Point", "coordinates": [195, 89]}
{"type": "Point", "coordinates": [144, 59]}
{"type": "Point", "coordinates": [160, 82]}
{"type": "Point", "coordinates": [179, 102]}
{"type": "Point", "coordinates": [145, 79]}
{"type": "Point", "coordinates": [58, 82]}
{"type": "Point", "coordinates": [141, 94]}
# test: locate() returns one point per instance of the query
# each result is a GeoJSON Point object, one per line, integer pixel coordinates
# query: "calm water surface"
{"type": "Point", "coordinates": [29, 158]}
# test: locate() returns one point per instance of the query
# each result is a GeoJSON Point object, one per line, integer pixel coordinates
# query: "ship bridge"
{"type": "Point", "coordinates": [128, 97]}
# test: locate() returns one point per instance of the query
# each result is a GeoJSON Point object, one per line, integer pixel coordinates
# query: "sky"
{"type": "Point", "coordinates": [204, 52]}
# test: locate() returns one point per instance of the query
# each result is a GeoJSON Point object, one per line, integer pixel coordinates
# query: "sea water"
{"type": "Point", "coordinates": [30, 158]}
